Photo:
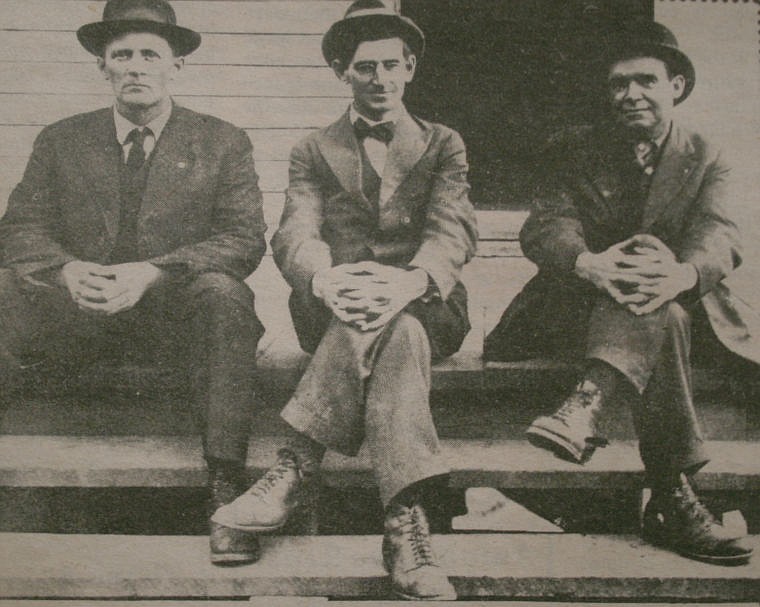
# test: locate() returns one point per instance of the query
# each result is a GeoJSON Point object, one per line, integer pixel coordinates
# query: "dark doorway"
{"type": "Point", "coordinates": [509, 75]}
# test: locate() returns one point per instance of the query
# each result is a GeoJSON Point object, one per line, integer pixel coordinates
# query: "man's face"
{"type": "Point", "coordinates": [642, 94]}
{"type": "Point", "coordinates": [139, 67]}
{"type": "Point", "coordinates": [378, 74]}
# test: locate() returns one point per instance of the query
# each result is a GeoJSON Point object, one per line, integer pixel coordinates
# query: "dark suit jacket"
{"type": "Point", "coordinates": [425, 218]}
{"type": "Point", "coordinates": [577, 208]}
{"type": "Point", "coordinates": [201, 211]}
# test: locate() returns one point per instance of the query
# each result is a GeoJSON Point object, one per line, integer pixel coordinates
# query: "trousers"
{"type": "Point", "coordinates": [570, 320]}
{"type": "Point", "coordinates": [206, 323]}
{"type": "Point", "coordinates": [373, 387]}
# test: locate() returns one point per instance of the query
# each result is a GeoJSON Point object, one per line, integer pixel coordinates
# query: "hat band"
{"type": "Point", "coordinates": [367, 12]}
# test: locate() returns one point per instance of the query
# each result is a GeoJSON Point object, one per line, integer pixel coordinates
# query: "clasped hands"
{"type": "Point", "coordinates": [367, 295]}
{"type": "Point", "coordinates": [108, 290]}
{"type": "Point", "coordinates": [640, 273]}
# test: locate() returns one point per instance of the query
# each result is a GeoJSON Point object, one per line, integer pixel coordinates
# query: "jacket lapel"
{"type": "Point", "coordinates": [676, 164]}
{"type": "Point", "coordinates": [340, 149]}
{"type": "Point", "coordinates": [405, 150]}
{"type": "Point", "coordinates": [100, 158]}
{"type": "Point", "coordinates": [172, 160]}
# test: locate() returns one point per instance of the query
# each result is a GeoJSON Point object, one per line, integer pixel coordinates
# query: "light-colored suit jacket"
{"type": "Point", "coordinates": [201, 212]}
{"type": "Point", "coordinates": [424, 217]}
{"type": "Point", "coordinates": [577, 208]}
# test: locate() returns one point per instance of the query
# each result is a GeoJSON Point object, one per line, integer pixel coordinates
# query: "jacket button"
{"type": "Point", "coordinates": [406, 220]}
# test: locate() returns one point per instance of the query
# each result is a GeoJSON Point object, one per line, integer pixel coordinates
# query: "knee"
{"type": "Point", "coordinates": [214, 290]}
{"type": "Point", "coordinates": [9, 289]}
{"type": "Point", "coordinates": [406, 333]}
{"type": "Point", "coordinates": [676, 316]}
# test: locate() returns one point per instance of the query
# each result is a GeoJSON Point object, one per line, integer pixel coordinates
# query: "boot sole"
{"type": "Point", "coordinates": [233, 559]}
{"type": "Point", "coordinates": [726, 561]}
{"type": "Point", "coordinates": [413, 597]}
{"type": "Point", "coordinates": [249, 528]}
{"type": "Point", "coordinates": [558, 444]}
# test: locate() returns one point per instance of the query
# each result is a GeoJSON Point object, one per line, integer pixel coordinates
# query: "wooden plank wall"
{"type": "Point", "coordinates": [259, 66]}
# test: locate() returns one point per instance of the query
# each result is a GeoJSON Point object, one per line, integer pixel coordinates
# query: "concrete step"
{"type": "Point", "coordinates": [175, 461]}
{"type": "Point", "coordinates": [518, 566]}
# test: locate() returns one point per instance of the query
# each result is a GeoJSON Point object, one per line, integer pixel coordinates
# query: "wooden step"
{"type": "Point", "coordinates": [313, 601]}
{"type": "Point", "coordinates": [518, 566]}
{"type": "Point", "coordinates": [175, 461]}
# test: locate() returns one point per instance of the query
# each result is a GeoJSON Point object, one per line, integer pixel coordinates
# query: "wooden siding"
{"type": "Point", "coordinates": [259, 67]}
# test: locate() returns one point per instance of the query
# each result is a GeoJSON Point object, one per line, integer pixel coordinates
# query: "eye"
{"type": "Point", "coordinates": [391, 65]}
{"type": "Point", "coordinates": [121, 55]}
{"type": "Point", "coordinates": [617, 85]}
{"type": "Point", "coordinates": [649, 80]}
{"type": "Point", "coordinates": [150, 55]}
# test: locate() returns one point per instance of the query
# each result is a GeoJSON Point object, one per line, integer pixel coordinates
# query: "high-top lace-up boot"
{"type": "Point", "coordinates": [267, 505]}
{"type": "Point", "coordinates": [409, 558]}
{"type": "Point", "coordinates": [228, 546]}
{"type": "Point", "coordinates": [676, 519]}
{"type": "Point", "coordinates": [571, 432]}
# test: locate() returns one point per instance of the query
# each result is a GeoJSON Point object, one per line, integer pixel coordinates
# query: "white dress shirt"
{"type": "Point", "coordinates": [124, 127]}
{"type": "Point", "coordinates": [377, 151]}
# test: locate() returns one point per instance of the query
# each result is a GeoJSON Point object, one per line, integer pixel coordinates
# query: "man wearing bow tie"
{"type": "Point", "coordinates": [133, 229]}
{"type": "Point", "coordinates": [376, 228]}
{"type": "Point", "coordinates": [631, 233]}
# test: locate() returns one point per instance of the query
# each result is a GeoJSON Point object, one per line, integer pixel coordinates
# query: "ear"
{"type": "Point", "coordinates": [411, 67]}
{"type": "Point", "coordinates": [340, 73]}
{"type": "Point", "coordinates": [679, 84]}
{"type": "Point", "coordinates": [102, 67]}
{"type": "Point", "coordinates": [179, 63]}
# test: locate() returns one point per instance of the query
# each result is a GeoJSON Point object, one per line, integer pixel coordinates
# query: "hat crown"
{"type": "Point", "coordinates": [362, 8]}
{"type": "Point", "coordinates": [159, 11]}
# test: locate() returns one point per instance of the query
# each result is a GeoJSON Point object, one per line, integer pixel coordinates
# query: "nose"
{"type": "Point", "coordinates": [381, 75]}
{"type": "Point", "coordinates": [632, 91]}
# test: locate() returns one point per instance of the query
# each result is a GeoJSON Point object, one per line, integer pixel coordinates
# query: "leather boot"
{"type": "Point", "coordinates": [228, 546]}
{"type": "Point", "coordinates": [571, 433]}
{"type": "Point", "coordinates": [409, 558]}
{"type": "Point", "coordinates": [267, 505]}
{"type": "Point", "coordinates": [675, 519]}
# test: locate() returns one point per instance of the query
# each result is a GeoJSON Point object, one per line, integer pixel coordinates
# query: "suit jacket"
{"type": "Point", "coordinates": [201, 211]}
{"type": "Point", "coordinates": [424, 217]}
{"type": "Point", "coordinates": [577, 208]}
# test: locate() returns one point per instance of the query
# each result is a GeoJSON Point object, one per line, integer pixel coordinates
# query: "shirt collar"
{"type": "Point", "coordinates": [124, 127]}
{"type": "Point", "coordinates": [354, 115]}
{"type": "Point", "coordinates": [661, 139]}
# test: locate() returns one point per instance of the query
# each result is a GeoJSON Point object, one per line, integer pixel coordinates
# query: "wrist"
{"type": "Point", "coordinates": [582, 263]}
{"type": "Point", "coordinates": [690, 276]}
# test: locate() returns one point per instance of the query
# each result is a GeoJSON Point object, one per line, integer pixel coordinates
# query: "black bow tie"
{"type": "Point", "coordinates": [382, 132]}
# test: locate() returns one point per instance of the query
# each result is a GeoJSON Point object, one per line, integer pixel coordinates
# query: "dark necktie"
{"type": "Point", "coordinates": [136, 156]}
{"type": "Point", "coordinates": [133, 182]}
{"type": "Point", "coordinates": [382, 132]}
{"type": "Point", "coordinates": [645, 153]}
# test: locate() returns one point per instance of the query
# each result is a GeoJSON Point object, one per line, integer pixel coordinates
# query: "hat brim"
{"type": "Point", "coordinates": [353, 30]}
{"type": "Point", "coordinates": [95, 36]}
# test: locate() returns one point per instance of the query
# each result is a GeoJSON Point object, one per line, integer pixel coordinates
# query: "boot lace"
{"type": "Point", "coordinates": [695, 509]}
{"type": "Point", "coordinates": [415, 528]}
{"type": "Point", "coordinates": [273, 476]}
{"type": "Point", "coordinates": [579, 400]}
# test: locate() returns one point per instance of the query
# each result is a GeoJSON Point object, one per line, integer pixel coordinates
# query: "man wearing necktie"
{"type": "Point", "coordinates": [376, 228]}
{"type": "Point", "coordinates": [132, 230]}
{"type": "Point", "coordinates": [632, 237]}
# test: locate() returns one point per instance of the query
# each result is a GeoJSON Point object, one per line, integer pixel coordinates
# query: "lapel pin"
{"type": "Point", "coordinates": [181, 165]}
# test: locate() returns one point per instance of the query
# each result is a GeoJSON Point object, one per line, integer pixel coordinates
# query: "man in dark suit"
{"type": "Point", "coordinates": [376, 228]}
{"type": "Point", "coordinates": [632, 237]}
{"type": "Point", "coordinates": [134, 226]}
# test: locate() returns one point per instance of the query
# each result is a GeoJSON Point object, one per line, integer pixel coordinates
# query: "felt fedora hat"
{"type": "Point", "coordinates": [126, 16]}
{"type": "Point", "coordinates": [371, 20]}
{"type": "Point", "coordinates": [652, 39]}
